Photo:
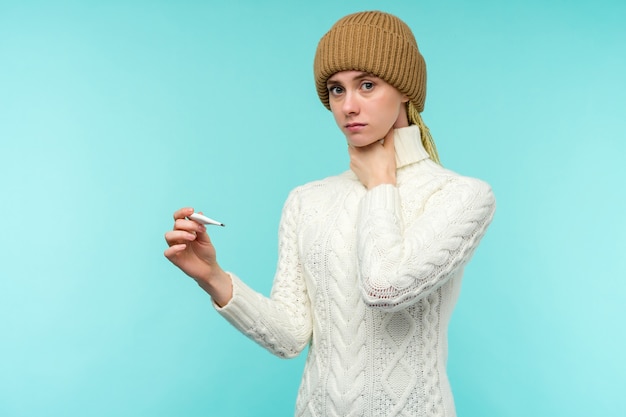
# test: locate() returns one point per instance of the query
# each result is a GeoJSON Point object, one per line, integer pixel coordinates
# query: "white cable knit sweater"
{"type": "Point", "coordinates": [369, 279]}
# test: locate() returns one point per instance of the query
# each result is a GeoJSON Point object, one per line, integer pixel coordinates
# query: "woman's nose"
{"type": "Point", "coordinates": [350, 104]}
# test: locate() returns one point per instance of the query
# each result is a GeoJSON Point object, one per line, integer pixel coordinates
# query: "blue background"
{"type": "Point", "coordinates": [114, 114]}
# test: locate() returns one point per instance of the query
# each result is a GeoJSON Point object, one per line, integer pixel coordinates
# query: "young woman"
{"type": "Point", "coordinates": [370, 261]}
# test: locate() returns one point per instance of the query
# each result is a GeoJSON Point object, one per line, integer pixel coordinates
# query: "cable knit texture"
{"type": "Point", "coordinates": [369, 279]}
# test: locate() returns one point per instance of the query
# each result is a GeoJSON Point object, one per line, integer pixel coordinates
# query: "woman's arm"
{"type": "Point", "coordinates": [402, 260]}
{"type": "Point", "coordinates": [281, 323]}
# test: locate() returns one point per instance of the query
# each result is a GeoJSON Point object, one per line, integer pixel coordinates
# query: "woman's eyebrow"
{"type": "Point", "coordinates": [359, 76]}
{"type": "Point", "coordinates": [332, 81]}
{"type": "Point", "coordinates": [363, 75]}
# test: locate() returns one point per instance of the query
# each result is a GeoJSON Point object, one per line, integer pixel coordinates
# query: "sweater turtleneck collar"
{"type": "Point", "coordinates": [408, 144]}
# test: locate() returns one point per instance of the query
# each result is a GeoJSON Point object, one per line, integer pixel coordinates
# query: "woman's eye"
{"type": "Point", "coordinates": [367, 85]}
{"type": "Point", "coordinates": [335, 90]}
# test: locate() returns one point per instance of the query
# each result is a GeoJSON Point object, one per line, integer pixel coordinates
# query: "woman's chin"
{"type": "Point", "coordinates": [359, 142]}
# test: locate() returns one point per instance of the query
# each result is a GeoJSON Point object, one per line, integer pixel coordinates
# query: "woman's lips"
{"type": "Point", "coordinates": [355, 127]}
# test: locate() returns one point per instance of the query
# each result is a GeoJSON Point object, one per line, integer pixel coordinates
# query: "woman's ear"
{"type": "Point", "coordinates": [405, 99]}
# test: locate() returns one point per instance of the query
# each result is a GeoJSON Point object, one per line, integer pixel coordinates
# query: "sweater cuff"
{"type": "Point", "coordinates": [240, 311]}
{"type": "Point", "coordinates": [382, 197]}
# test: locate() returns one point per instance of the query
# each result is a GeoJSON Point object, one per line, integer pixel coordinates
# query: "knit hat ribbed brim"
{"type": "Point", "coordinates": [377, 43]}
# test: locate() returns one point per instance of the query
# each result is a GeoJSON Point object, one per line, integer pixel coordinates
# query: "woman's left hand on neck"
{"type": "Point", "coordinates": [374, 164]}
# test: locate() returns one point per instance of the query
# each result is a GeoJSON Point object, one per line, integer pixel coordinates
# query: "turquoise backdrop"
{"type": "Point", "coordinates": [115, 113]}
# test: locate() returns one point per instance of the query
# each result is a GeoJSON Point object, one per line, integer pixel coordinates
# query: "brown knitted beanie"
{"type": "Point", "coordinates": [377, 43]}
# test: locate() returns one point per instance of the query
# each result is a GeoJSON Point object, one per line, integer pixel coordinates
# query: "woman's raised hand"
{"type": "Point", "coordinates": [375, 164]}
{"type": "Point", "coordinates": [191, 250]}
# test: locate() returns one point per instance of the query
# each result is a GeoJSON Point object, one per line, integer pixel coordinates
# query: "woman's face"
{"type": "Point", "coordinates": [365, 107]}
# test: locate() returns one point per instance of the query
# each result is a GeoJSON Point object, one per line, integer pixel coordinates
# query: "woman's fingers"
{"type": "Point", "coordinates": [174, 250]}
{"type": "Point", "coordinates": [183, 212]}
{"type": "Point", "coordinates": [182, 222]}
{"type": "Point", "coordinates": [174, 237]}
{"type": "Point", "coordinates": [388, 142]}
{"type": "Point", "coordinates": [375, 163]}
{"type": "Point", "coordinates": [188, 225]}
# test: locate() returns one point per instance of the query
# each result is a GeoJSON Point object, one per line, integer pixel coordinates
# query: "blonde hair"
{"type": "Point", "coordinates": [415, 118]}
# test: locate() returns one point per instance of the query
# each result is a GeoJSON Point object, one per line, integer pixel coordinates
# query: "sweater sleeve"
{"type": "Point", "coordinates": [403, 260]}
{"type": "Point", "coordinates": [282, 322]}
